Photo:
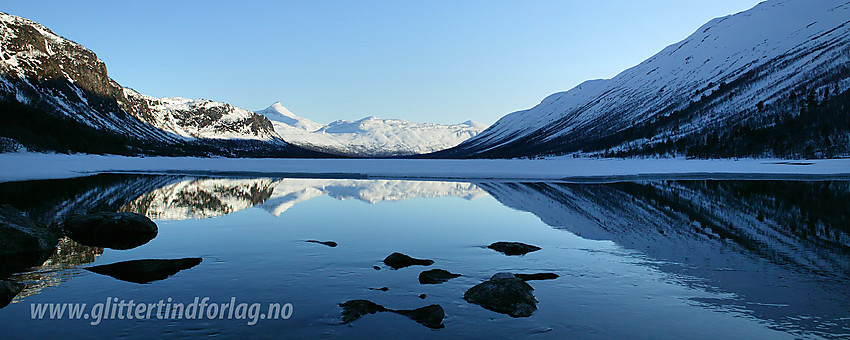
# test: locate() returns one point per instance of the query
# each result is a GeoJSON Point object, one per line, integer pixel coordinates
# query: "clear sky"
{"type": "Point", "coordinates": [423, 61]}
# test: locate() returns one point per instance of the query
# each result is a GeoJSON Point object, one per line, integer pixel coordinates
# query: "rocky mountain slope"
{"type": "Point", "coordinates": [56, 95]}
{"type": "Point", "coordinates": [770, 81]}
{"type": "Point", "coordinates": [368, 136]}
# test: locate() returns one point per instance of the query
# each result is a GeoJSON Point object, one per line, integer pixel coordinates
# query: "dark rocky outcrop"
{"type": "Point", "coordinates": [8, 291]}
{"type": "Point", "coordinates": [513, 248]}
{"type": "Point", "coordinates": [537, 276]}
{"type": "Point", "coordinates": [122, 230]}
{"type": "Point", "coordinates": [23, 243]}
{"type": "Point", "coordinates": [429, 316]}
{"type": "Point", "coordinates": [145, 271]}
{"type": "Point", "coordinates": [399, 260]}
{"type": "Point", "coordinates": [435, 276]}
{"type": "Point", "coordinates": [354, 309]}
{"type": "Point", "coordinates": [327, 243]}
{"type": "Point", "coordinates": [504, 293]}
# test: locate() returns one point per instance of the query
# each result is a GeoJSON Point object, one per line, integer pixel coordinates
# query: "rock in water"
{"type": "Point", "coordinates": [504, 293]}
{"type": "Point", "coordinates": [429, 316]}
{"type": "Point", "coordinates": [354, 309]}
{"type": "Point", "coordinates": [513, 248]}
{"type": "Point", "coordinates": [23, 243]}
{"type": "Point", "coordinates": [145, 271]}
{"type": "Point", "coordinates": [399, 260]}
{"type": "Point", "coordinates": [537, 276]}
{"type": "Point", "coordinates": [435, 276]}
{"type": "Point", "coordinates": [123, 230]}
{"type": "Point", "coordinates": [8, 291]}
{"type": "Point", "coordinates": [327, 243]}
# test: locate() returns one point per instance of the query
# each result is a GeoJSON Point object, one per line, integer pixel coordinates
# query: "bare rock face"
{"type": "Point", "coordinates": [399, 260]}
{"type": "Point", "coordinates": [122, 230]}
{"type": "Point", "coordinates": [23, 243]}
{"type": "Point", "coordinates": [504, 293]}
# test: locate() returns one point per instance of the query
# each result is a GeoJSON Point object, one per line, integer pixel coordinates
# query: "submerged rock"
{"type": "Point", "coordinates": [537, 276]}
{"type": "Point", "coordinates": [504, 293]}
{"type": "Point", "coordinates": [23, 243]}
{"type": "Point", "coordinates": [428, 316]}
{"type": "Point", "coordinates": [383, 289]}
{"type": "Point", "coordinates": [145, 271]}
{"type": "Point", "coordinates": [399, 260]}
{"type": "Point", "coordinates": [123, 230]}
{"type": "Point", "coordinates": [435, 276]}
{"type": "Point", "coordinates": [327, 243]}
{"type": "Point", "coordinates": [513, 248]}
{"type": "Point", "coordinates": [8, 291]}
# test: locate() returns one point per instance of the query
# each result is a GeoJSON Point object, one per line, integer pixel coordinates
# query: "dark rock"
{"type": "Point", "coordinates": [429, 316]}
{"type": "Point", "coordinates": [354, 309]}
{"type": "Point", "coordinates": [513, 248]}
{"type": "Point", "coordinates": [399, 260]}
{"type": "Point", "coordinates": [435, 276]}
{"type": "Point", "coordinates": [8, 291]}
{"type": "Point", "coordinates": [383, 289]}
{"type": "Point", "coordinates": [23, 243]}
{"type": "Point", "coordinates": [422, 296]}
{"type": "Point", "coordinates": [327, 243]}
{"type": "Point", "coordinates": [504, 293]}
{"type": "Point", "coordinates": [376, 268]}
{"type": "Point", "coordinates": [145, 271]}
{"type": "Point", "coordinates": [124, 230]}
{"type": "Point", "coordinates": [537, 276]}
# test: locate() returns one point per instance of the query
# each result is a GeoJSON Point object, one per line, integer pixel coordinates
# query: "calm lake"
{"type": "Point", "coordinates": [644, 259]}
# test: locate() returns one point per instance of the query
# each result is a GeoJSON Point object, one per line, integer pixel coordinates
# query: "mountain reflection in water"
{"type": "Point", "coordinates": [780, 249]}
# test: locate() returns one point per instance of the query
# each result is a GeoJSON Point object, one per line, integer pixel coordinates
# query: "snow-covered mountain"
{"type": "Point", "coordinates": [771, 80]}
{"type": "Point", "coordinates": [56, 95]}
{"type": "Point", "coordinates": [368, 136]}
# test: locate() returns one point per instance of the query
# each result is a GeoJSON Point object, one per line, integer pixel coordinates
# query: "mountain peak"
{"type": "Point", "coordinates": [280, 114]}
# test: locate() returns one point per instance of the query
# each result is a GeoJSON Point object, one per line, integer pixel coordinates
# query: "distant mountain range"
{"type": "Point", "coordinates": [769, 81]}
{"type": "Point", "coordinates": [56, 95]}
{"type": "Point", "coordinates": [368, 136]}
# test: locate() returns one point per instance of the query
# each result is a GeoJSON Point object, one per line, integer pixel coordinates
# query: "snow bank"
{"type": "Point", "coordinates": [26, 166]}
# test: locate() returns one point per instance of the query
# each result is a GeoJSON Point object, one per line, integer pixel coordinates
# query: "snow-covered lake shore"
{"type": "Point", "coordinates": [29, 166]}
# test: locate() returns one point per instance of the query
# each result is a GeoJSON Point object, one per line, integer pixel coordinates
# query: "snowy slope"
{"type": "Point", "coordinates": [57, 95]}
{"type": "Point", "coordinates": [717, 75]}
{"type": "Point", "coordinates": [368, 136]}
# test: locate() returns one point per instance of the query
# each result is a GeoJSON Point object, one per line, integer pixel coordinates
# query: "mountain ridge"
{"type": "Point", "coordinates": [368, 136]}
{"type": "Point", "coordinates": [723, 86]}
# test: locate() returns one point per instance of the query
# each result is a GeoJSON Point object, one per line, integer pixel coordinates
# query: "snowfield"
{"type": "Point", "coordinates": [29, 166]}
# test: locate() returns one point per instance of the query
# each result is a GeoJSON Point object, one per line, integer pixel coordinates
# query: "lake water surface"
{"type": "Point", "coordinates": [644, 259]}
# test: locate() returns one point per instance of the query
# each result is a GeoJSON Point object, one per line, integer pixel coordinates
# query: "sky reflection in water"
{"type": "Point", "coordinates": [658, 259]}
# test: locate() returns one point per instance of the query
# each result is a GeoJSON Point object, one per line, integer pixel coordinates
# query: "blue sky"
{"type": "Point", "coordinates": [424, 61]}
